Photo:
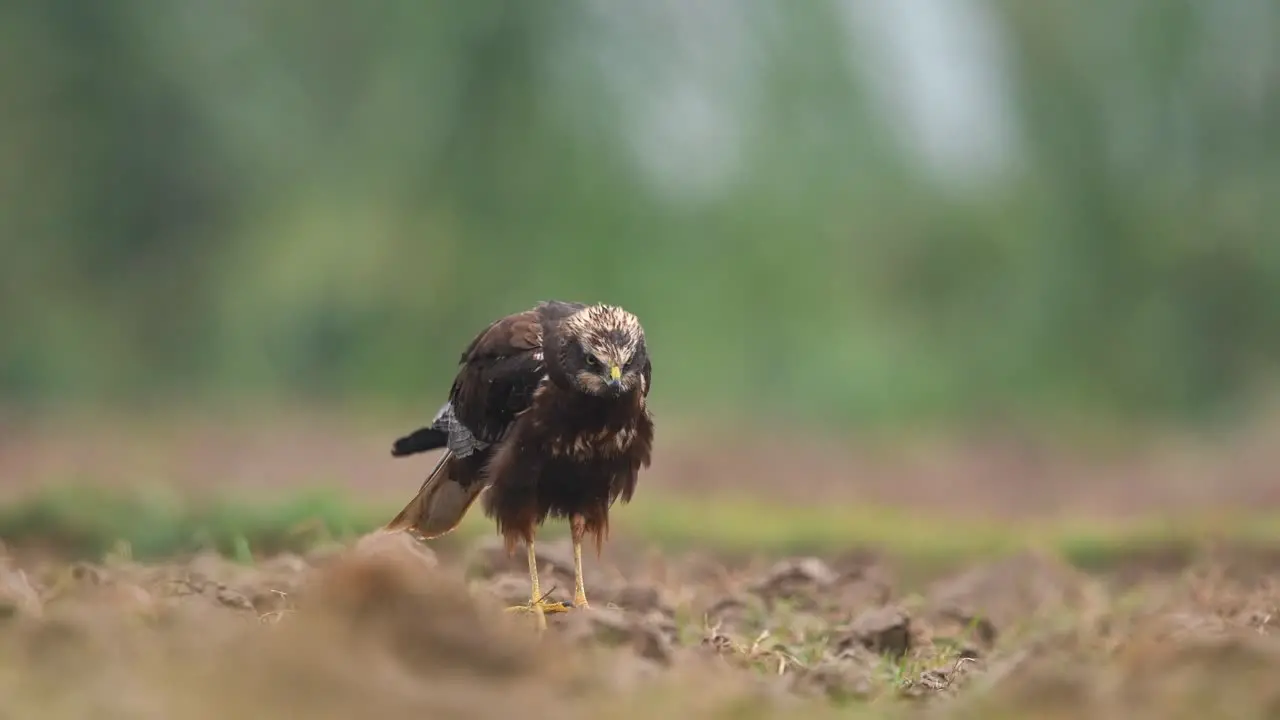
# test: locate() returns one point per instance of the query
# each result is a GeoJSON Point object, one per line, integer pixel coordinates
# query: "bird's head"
{"type": "Point", "coordinates": [604, 351]}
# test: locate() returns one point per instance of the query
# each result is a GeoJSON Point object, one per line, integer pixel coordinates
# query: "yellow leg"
{"type": "Point", "coordinates": [579, 590]}
{"type": "Point", "coordinates": [537, 604]}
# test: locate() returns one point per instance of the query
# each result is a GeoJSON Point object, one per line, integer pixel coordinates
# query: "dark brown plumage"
{"type": "Point", "coordinates": [548, 413]}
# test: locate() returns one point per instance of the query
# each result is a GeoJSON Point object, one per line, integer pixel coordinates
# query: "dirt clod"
{"type": "Point", "coordinates": [883, 630]}
{"type": "Point", "coordinates": [648, 637]}
{"type": "Point", "coordinates": [842, 678]}
{"type": "Point", "coordinates": [797, 580]}
{"type": "Point", "coordinates": [1006, 596]}
{"type": "Point", "coordinates": [641, 598]}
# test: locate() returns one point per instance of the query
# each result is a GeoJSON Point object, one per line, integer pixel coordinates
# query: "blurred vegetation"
{"type": "Point", "coordinates": [301, 200]}
{"type": "Point", "coordinates": [87, 523]}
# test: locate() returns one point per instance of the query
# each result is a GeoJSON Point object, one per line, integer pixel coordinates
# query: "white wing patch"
{"type": "Point", "coordinates": [461, 442]}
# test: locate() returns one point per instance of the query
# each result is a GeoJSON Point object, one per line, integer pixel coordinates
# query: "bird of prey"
{"type": "Point", "coordinates": [548, 413]}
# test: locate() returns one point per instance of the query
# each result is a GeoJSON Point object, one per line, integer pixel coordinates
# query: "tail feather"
{"type": "Point", "coordinates": [440, 504]}
{"type": "Point", "coordinates": [419, 441]}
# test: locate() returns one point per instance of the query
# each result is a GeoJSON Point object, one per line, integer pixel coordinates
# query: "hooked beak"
{"type": "Point", "coordinates": [615, 375]}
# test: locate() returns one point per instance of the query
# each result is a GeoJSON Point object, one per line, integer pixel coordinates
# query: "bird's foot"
{"type": "Point", "coordinates": [539, 610]}
{"type": "Point", "coordinates": [534, 606]}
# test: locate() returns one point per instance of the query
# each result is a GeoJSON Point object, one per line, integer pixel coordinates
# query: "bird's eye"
{"type": "Point", "coordinates": [592, 362]}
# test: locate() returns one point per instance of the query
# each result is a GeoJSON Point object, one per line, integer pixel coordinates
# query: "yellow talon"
{"type": "Point", "coordinates": [546, 607]}
{"type": "Point", "coordinates": [538, 604]}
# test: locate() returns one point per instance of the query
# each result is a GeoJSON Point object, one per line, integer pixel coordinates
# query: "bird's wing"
{"type": "Point", "coordinates": [500, 370]}
{"type": "Point", "coordinates": [554, 310]}
{"type": "Point", "coordinates": [501, 367]}
{"type": "Point", "coordinates": [441, 502]}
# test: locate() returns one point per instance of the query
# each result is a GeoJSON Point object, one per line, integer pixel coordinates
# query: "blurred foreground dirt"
{"type": "Point", "coordinates": [388, 630]}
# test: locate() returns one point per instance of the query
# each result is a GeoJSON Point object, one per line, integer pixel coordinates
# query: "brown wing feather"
{"type": "Point", "coordinates": [440, 503]}
{"type": "Point", "coordinates": [500, 369]}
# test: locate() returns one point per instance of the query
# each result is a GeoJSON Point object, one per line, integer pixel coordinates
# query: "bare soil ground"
{"type": "Point", "coordinates": [390, 630]}
{"type": "Point", "coordinates": [996, 475]}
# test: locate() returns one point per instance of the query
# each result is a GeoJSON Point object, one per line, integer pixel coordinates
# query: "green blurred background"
{"type": "Point", "coordinates": [845, 210]}
{"type": "Point", "coordinates": [859, 214]}
{"type": "Point", "coordinates": [851, 216]}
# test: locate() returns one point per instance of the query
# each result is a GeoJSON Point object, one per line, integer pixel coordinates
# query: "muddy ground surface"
{"type": "Point", "coordinates": [997, 474]}
{"type": "Point", "coordinates": [390, 629]}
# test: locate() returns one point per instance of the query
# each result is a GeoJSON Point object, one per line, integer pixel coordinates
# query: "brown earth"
{"type": "Point", "coordinates": [389, 630]}
{"type": "Point", "coordinates": [997, 475]}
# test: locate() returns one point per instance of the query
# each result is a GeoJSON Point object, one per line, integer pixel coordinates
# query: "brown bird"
{"type": "Point", "coordinates": [548, 413]}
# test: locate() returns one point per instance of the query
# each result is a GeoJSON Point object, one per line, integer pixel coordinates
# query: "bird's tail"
{"type": "Point", "coordinates": [440, 504]}
{"type": "Point", "coordinates": [420, 441]}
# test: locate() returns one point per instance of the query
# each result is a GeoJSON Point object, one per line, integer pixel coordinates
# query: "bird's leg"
{"type": "Point", "coordinates": [537, 603]}
{"type": "Point", "coordinates": [578, 525]}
